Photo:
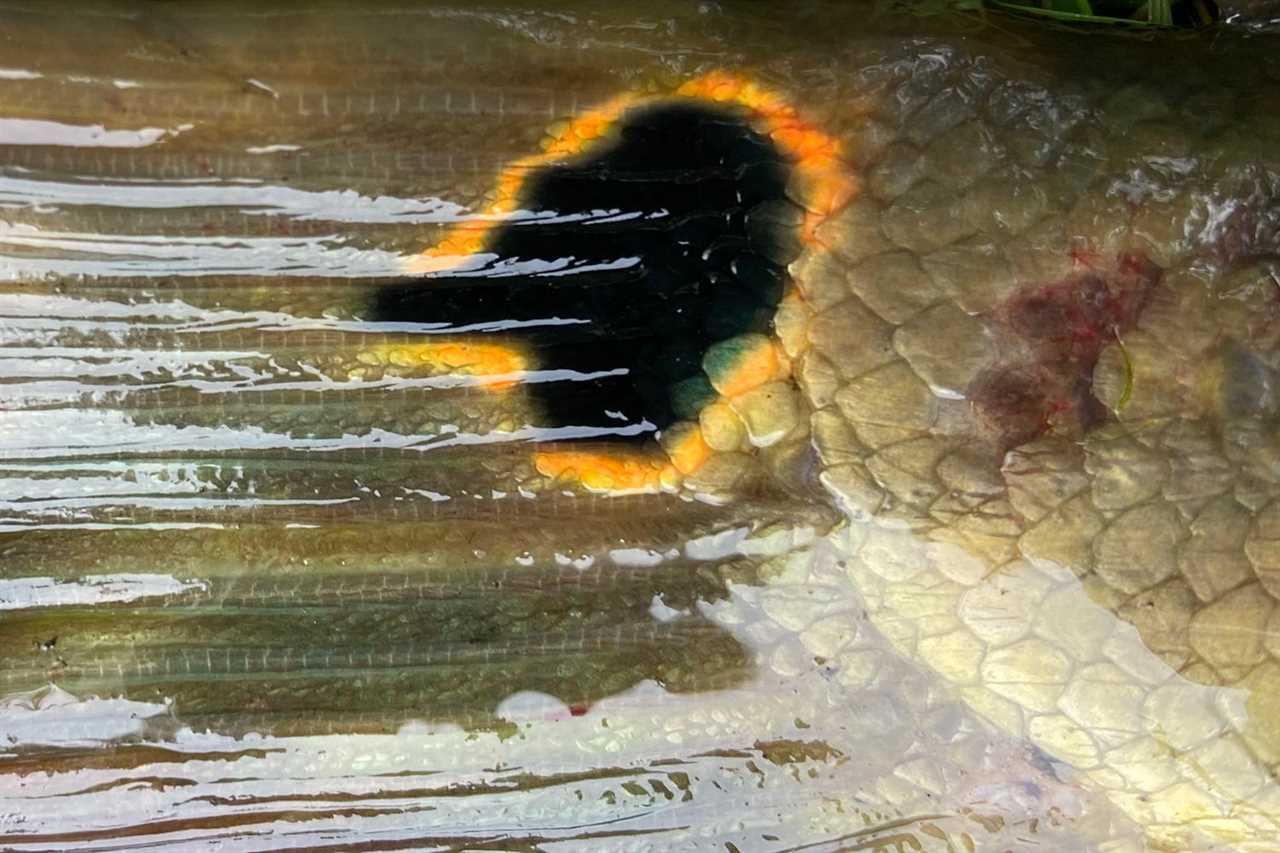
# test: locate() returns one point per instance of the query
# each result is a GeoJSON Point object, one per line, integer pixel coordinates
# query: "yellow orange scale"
{"type": "Point", "coordinates": [828, 187]}
{"type": "Point", "coordinates": [493, 365]}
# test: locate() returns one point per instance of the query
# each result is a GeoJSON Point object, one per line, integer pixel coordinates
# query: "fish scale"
{"type": "Point", "coordinates": [1109, 521]}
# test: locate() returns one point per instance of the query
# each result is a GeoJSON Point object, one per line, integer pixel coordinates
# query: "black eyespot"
{"type": "Point", "coordinates": [672, 237]}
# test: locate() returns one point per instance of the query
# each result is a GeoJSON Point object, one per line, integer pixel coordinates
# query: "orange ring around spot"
{"type": "Point", "coordinates": [816, 156]}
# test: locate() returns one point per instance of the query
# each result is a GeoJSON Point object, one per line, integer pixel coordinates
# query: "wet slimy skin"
{"type": "Point", "coordinates": [976, 522]}
{"type": "Point", "coordinates": [698, 332]}
{"type": "Point", "coordinates": [1058, 513]}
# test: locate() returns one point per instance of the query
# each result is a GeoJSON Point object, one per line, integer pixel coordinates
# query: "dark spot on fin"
{"type": "Point", "coordinates": [673, 236]}
{"type": "Point", "coordinates": [1051, 337]}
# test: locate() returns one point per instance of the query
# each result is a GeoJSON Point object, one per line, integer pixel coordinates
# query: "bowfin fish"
{"type": "Point", "coordinates": [879, 423]}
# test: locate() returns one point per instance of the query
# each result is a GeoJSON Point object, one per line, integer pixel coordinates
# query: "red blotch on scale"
{"type": "Point", "coordinates": [1050, 338]}
{"type": "Point", "coordinates": [1083, 256]}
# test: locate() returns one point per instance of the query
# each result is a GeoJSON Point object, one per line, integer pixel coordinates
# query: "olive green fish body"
{"type": "Point", "coordinates": [919, 492]}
